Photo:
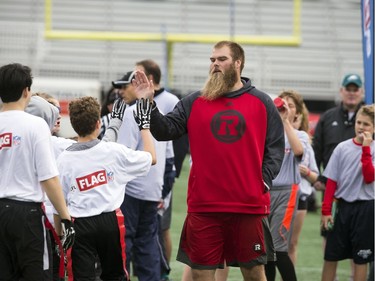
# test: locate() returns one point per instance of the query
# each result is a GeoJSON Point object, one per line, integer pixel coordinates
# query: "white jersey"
{"type": "Point", "coordinates": [60, 144]}
{"type": "Point", "coordinates": [149, 187]}
{"type": "Point", "coordinates": [26, 156]}
{"type": "Point", "coordinates": [308, 160]}
{"type": "Point", "coordinates": [94, 178]}
{"type": "Point", "coordinates": [345, 168]}
{"type": "Point", "coordinates": [289, 173]}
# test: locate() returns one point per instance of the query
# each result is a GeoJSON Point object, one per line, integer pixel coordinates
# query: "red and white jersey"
{"type": "Point", "coordinates": [94, 177]}
{"type": "Point", "coordinates": [345, 168]}
{"type": "Point", "coordinates": [26, 156]}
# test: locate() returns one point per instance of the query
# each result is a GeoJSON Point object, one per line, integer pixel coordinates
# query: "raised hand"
{"type": "Point", "coordinates": [142, 114]}
{"type": "Point", "coordinates": [366, 138]}
{"type": "Point", "coordinates": [143, 87]}
{"type": "Point", "coordinates": [118, 109]}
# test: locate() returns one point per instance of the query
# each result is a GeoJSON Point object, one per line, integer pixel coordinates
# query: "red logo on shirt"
{"type": "Point", "coordinates": [92, 180]}
{"type": "Point", "coordinates": [5, 140]}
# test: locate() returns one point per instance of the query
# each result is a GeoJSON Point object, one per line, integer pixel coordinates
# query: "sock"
{"type": "Point", "coordinates": [285, 266]}
{"type": "Point", "coordinates": [270, 268]}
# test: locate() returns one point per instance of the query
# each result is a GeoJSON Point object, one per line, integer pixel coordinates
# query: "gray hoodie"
{"type": "Point", "coordinates": [42, 108]}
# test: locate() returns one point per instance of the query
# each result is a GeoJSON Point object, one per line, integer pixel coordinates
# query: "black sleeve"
{"type": "Point", "coordinates": [174, 124]}
{"type": "Point", "coordinates": [169, 176]}
{"type": "Point", "coordinates": [180, 148]}
{"type": "Point", "coordinates": [275, 144]}
{"type": "Point", "coordinates": [318, 141]}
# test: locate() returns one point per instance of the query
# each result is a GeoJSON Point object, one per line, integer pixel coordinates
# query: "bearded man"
{"type": "Point", "coordinates": [236, 141]}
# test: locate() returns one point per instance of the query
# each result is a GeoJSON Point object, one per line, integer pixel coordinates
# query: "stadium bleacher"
{"type": "Point", "coordinates": [331, 40]}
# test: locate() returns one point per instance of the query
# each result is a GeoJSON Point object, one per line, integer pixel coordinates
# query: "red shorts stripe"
{"type": "Point", "coordinates": [121, 227]}
{"type": "Point", "coordinates": [288, 217]}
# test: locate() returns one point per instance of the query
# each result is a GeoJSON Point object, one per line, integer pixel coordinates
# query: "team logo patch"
{"type": "Point", "coordinates": [364, 254]}
{"type": "Point", "coordinates": [257, 247]}
{"type": "Point", "coordinates": [228, 126]}
{"type": "Point", "coordinates": [5, 140]}
{"type": "Point", "coordinates": [110, 176]}
{"type": "Point", "coordinates": [92, 180]}
{"type": "Point", "coordinates": [16, 140]}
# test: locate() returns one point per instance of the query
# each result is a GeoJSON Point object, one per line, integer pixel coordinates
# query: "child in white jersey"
{"type": "Point", "coordinates": [27, 171]}
{"type": "Point", "coordinates": [285, 187]}
{"type": "Point", "coordinates": [40, 106]}
{"type": "Point", "coordinates": [309, 174]}
{"type": "Point", "coordinates": [350, 173]}
{"type": "Point", "coordinates": [94, 174]}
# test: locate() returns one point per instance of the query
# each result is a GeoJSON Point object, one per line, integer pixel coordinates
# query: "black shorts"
{"type": "Point", "coordinates": [25, 248]}
{"type": "Point", "coordinates": [103, 236]}
{"type": "Point", "coordinates": [352, 236]}
{"type": "Point", "coordinates": [302, 202]}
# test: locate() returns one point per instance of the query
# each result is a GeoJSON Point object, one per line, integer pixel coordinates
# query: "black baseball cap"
{"type": "Point", "coordinates": [125, 80]}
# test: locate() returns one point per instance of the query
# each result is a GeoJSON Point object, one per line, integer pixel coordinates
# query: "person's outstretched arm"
{"type": "Point", "coordinates": [117, 115]}
{"type": "Point", "coordinates": [164, 127]}
{"type": "Point", "coordinates": [142, 118]}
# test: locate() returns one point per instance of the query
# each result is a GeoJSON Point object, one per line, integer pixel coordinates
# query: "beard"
{"type": "Point", "coordinates": [218, 84]}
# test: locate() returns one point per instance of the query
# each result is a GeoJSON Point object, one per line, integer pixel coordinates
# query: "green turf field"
{"type": "Point", "coordinates": [310, 256]}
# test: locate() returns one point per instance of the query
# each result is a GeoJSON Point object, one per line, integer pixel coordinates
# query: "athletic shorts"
{"type": "Point", "coordinates": [302, 203]}
{"type": "Point", "coordinates": [283, 210]}
{"type": "Point", "coordinates": [166, 218]}
{"type": "Point", "coordinates": [209, 239]}
{"type": "Point", "coordinates": [352, 236]}
{"type": "Point", "coordinates": [271, 254]}
{"type": "Point", "coordinates": [103, 236]}
{"type": "Point", "coordinates": [25, 248]}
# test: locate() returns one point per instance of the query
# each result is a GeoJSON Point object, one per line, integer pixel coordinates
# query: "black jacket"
{"type": "Point", "coordinates": [334, 126]}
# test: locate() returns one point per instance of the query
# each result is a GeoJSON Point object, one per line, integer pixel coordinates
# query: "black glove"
{"type": "Point", "coordinates": [69, 233]}
{"type": "Point", "coordinates": [58, 252]}
{"type": "Point", "coordinates": [118, 109]}
{"type": "Point", "coordinates": [142, 114]}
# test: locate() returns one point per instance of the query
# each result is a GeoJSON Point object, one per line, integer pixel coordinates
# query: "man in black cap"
{"type": "Point", "coordinates": [124, 85]}
{"type": "Point", "coordinates": [337, 124]}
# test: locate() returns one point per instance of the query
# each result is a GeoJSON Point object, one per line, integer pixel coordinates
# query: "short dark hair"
{"type": "Point", "coordinates": [237, 51]}
{"type": "Point", "coordinates": [109, 98]}
{"type": "Point", "coordinates": [84, 113]}
{"type": "Point", "coordinates": [14, 78]}
{"type": "Point", "coordinates": [151, 68]}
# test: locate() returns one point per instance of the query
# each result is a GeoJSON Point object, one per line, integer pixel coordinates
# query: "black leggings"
{"type": "Point", "coordinates": [284, 265]}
